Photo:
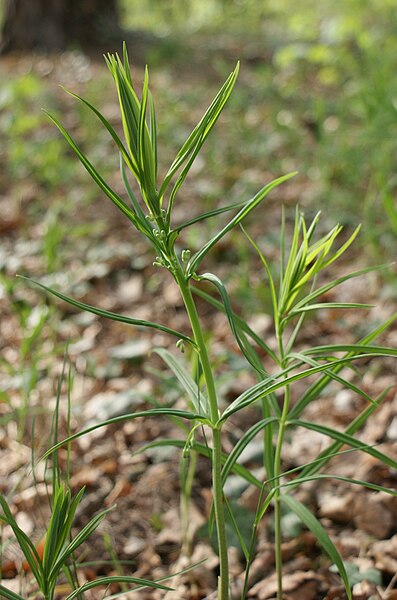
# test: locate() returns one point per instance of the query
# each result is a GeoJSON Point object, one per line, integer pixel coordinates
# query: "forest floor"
{"type": "Point", "coordinates": [56, 228]}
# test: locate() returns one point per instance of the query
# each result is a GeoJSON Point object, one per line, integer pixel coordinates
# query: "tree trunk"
{"type": "Point", "coordinates": [58, 24]}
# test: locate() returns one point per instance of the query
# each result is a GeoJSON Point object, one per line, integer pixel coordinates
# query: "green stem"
{"type": "Point", "coordinates": [223, 585]}
{"type": "Point", "coordinates": [277, 473]}
{"type": "Point", "coordinates": [277, 503]}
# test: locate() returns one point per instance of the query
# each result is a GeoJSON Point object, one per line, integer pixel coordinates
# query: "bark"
{"type": "Point", "coordinates": [58, 24]}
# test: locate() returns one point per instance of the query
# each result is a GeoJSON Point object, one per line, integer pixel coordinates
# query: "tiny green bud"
{"type": "Point", "coordinates": [181, 345]}
{"type": "Point", "coordinates": [186, 255]}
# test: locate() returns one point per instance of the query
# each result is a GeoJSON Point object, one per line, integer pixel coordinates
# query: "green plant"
{"type": "Point", "coordinates": [56, 554]}
{"type": "Point", "coordinates": [297, 295]}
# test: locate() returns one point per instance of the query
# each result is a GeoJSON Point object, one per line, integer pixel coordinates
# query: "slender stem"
{"type": "Point", "coordinates": [277, 504]}
{"type": "Point", "coordinates": [277, 471]}
{"type": "Point", "coordinates": [223, 581]}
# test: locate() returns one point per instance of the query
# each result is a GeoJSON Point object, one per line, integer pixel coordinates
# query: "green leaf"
{"type": "Point", "coordinates": [110, 315]}
{"type": "Point", "coordinates": [80, 538]}
{"type": "Point", "coordinates": [242, 443]}
{"type": "Point", "coordinates": [326, 305]}
{"type": "Point", "coordinates": [206, 452]}
{"type": "Point", "coordinates": [321, 535]}
{"type": "Point", "coordinates": [344, 382]}
{"type": "Point", "coordinates": [142, 223]}
{"type": "Point", "coordinates": [207, 215]}
{"type": "Point", "coordinates": [244, 346]}
{"type": "Point", "coordinates": [201, 131]}
{"type": "Point", "coordinates": [106, 581]}
{"type": "Point", "coordinates": [345, 438]}
{"type": "Point", "coordinates": [371, 486]}
{"type": "Point", "coordinates": [271, 384]}
{"type": "Point", "coordinates": [184, 378]}
{"type": "Point", "coordinates": [240, 323]}
{"type": "Point", "coordinates": [28, 548]}
{"type": "Point", "coordinates": [155, 412]}
{"type": "Point", "coordinates": [108, 126]}
{"type": "Point", "coordinates": [315, 389]}
{"type": "Point", "coordinates": [249, 206]}
{"type": "Point", "coordinates": [6, 593]}
{"type": "Point", "coordinates": [354, 349]}
{"type": "Point", "coordinates": [269, 276]}
{"type": "Point", "coordinates": [115, 198]}
{"type": "Point", "coordinates": [332, 450]}
{"type": "Point", "coordinates": [329, 286]}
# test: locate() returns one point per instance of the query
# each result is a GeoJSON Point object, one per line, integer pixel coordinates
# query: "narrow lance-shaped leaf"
{"type": "Point", "coordinates": [344, 382]}
{"type": "Point", "coordinates": [316, 388]}
{"type": "Point", "coordinates": [188, 384]}
{"type": "Point", "coordinates": [207, 215]}
{"type": "Point", "coordinates": [105, 122]}
{"type": "Point", "coordinates": [155, 412]}
{"type": "Point", "coordinates": [244, 347]}
{"type": "Point", "coordinates": [80, 538]}
{"type": "Point", "coordinates": [263, 260]}
{"type": "Point", "coordinates": [242, 443]}
{"type": "Point", "coordinates": [115, 198]}
{"type": "Point", "coordinates": [10, 595]}
{"type": "Point", "coordinates": [241, 324]}
{"type": "Point", "coordinates": [329, 286]}
{"type": "Point", "coordinates": [28, 548]}
{"type": "Point", "coordinates": [106, 581]}
{"type": "Point", "coordinates": [110, 315]}
{"type": "Point", "coordinates": [250, 205]}
{"type": "Point", "coordinates": [345, 438]}
{"type": "Point", "coordinates": [356, 349]}
{"type": "Point", "coordinates": [207, 453]}
{"type": "Point", "coordinates": [321, 535]}
{"type": "Point", "coordinates": [271, 384]}
{"type": "Point", "coordinates": [206, 124]}
{"type": "Point", "coordinates": [140, 215]}
{"type": "Point", "coordinates": [328, 453]}
{"type": "Point", "coordinates": [371, 486]}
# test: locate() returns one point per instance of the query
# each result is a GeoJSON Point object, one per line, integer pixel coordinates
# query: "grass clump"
{"type": "Point", "coordinates": [296, 294]}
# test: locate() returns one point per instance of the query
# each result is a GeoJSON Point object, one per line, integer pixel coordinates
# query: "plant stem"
{"type": "Point", "coordinates": [277, 470]}
{"type": "Point", "coordinates": [277, 503]}
{"type": "Point", "coordinates": [223, 580]}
